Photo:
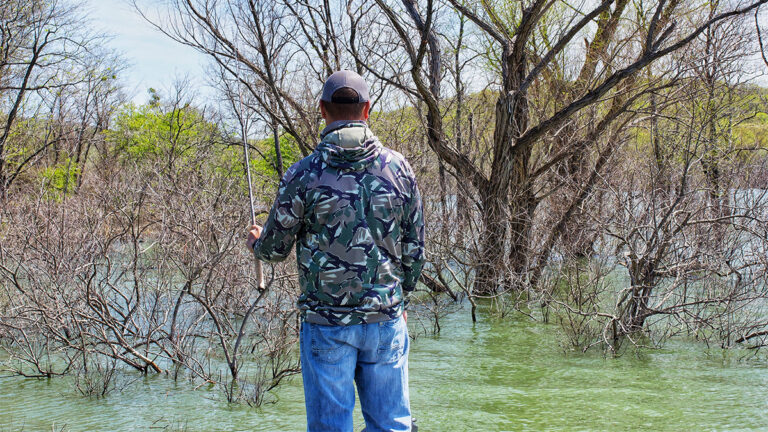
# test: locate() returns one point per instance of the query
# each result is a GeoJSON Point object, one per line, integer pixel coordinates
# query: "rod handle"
{"type": "Point", "coordinates": [260, 275]}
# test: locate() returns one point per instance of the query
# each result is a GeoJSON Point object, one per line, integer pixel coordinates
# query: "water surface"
{"type": "Point", "coordinates": [504, 375]}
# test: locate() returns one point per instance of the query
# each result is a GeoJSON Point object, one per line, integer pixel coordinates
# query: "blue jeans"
{"type": "Point", "coordinates": [375, 357]}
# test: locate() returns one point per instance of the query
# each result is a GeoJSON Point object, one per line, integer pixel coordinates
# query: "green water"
{"type": "Point", "coordinates": [495, 376]}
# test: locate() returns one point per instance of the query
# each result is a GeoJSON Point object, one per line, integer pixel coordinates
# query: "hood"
{"type": "Point", "coordinates": [350, 146]}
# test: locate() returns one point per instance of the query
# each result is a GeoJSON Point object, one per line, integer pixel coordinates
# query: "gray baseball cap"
{"type": "Point", "coordinates": [342, 79]}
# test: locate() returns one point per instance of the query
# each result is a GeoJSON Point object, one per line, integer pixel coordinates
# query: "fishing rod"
{"type": "Point", "coordinates": [243, 130]}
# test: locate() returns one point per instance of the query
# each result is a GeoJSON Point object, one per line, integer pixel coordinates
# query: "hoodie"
{"type": "Point", "coordinates": [353, 209]}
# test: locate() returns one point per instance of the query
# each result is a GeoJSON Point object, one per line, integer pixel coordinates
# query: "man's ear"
{"type": "Point", "coordinates": [323, 112]}
{"type": "Point", "coordinates": [366, 110]}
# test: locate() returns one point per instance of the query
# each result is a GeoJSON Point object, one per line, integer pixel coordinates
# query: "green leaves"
{"type": "Point", "coordinates": [62, 177]}
{"type": "Point", "coordinates": [151, 131]}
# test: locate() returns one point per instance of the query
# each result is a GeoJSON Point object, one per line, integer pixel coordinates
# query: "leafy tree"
{"type": "Point", "coordinates": [154, 132]}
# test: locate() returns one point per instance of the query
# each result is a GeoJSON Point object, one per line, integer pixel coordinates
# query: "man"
{"type": "Point", "coordinates": [354, 210]}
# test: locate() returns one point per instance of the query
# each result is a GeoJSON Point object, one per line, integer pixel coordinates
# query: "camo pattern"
{"type": "Point", "coordinates": [355, 214]}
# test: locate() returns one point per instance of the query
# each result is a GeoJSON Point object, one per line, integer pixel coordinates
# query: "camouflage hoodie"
{"type": "Point", "coordinates": [354, 211]}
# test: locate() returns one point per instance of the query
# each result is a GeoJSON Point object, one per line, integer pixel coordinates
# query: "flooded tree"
{"type": "Point", "coordinates": [554, 110]}
{"type": "Point", "coordinates": [685, 234]}
{"type": "Point", "coordinates": [144, 269]}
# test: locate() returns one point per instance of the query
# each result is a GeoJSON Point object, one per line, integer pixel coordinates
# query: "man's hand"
{"type": "Point", "coordinates": [253, 235]}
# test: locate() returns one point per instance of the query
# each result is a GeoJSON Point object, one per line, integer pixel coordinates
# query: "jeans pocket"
{"type": "Point", "coordinates": [393, 340]}
{"type": "Point", "coordinates": [328, 343]}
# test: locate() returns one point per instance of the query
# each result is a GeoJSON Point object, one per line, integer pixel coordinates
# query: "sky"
{"type": "Point", "coordinates": [154, 59]}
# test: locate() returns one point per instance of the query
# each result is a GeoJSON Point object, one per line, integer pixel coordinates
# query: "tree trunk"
{"type": "Point", "coordinates": [508, 200]}
{"type": "Point", "coordinates": [278, 151]}
{"type": "Point", "coordinates": [491, 266]}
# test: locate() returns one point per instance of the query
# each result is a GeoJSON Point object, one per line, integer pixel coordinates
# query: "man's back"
{"type": "Point", "coordinates": [355, 212]}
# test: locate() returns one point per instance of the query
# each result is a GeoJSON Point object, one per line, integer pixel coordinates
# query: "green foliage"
{"type": "Point", "coordinates": [265, 166]}
{"type": "Point", "coordinates": [735, 114]}
{"type": "Point", "coordinates": [185, 141]}
{"type": "Point", "coordinates": [264, 159]}
{"type": "Point", "coordinates": [23, 136]}
{"type": "Point", "coordinates": [62, 177]}
{"type": "Point", "coordinates": [754, 132]}
{"type": "Point", "coordinates": [150, 131]}
{"type": "Point", "coordinates": [227, 162]}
